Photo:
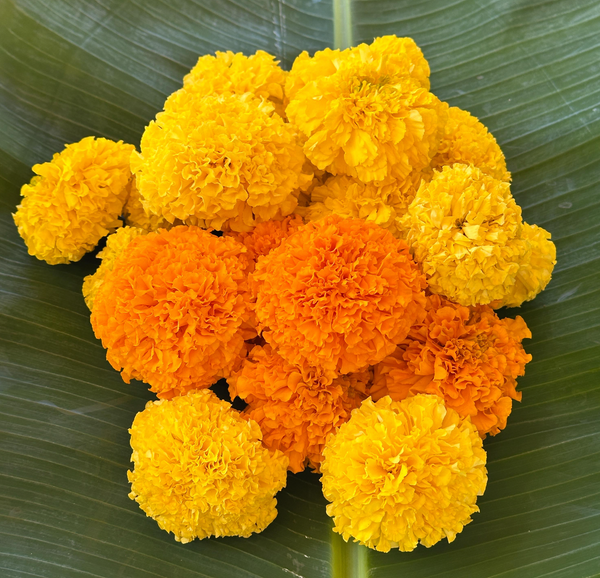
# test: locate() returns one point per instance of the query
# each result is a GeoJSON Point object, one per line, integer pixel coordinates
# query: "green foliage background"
{"type": "Point", "coordinates": [529, 69]}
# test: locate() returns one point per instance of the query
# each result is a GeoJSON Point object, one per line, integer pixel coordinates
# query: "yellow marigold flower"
{"type": "Point", "coordinates": [465, 228]}
{"type": "Point", "coordinates": [74, 200]}
{"type": "Point", "coordinates": [338, 294]}
{"type": "Point", "coordinates": [115, 245]}
{"type": "Point", "coordinates": [379, 202]}
{"type": "Point", "coordinates": [306, 68]}
{"type": "Point", "coordinates": [224, 161]}
{"type": "Point", "coordinates": [403, 53]}
{"type": "Point", "coordinates": [136, 216]}
{"type": "Point", "coordinates": [466, 355]}
{"type": "Point", "coordinates": [171, 311]}
{"type": "Point", "coordinates": [319, 177]}
{"type": "Point", "coordinates": [400, 473]}
{"type": "Point", "coordinates": [536, 267]}
{"type": "Point", "coordinates": [467, 141]}
{"type": "Point", "coordinates": [366, 112]}
{"type": "Point", "coordinates": [225, 72]}
{"type": "Point", "coordinates": [295, 407]}
{"type": "Point", "coordinates": [200, 469]}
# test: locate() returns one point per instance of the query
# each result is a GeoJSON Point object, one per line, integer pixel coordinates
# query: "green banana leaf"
{"type": "Point", "coordinates": [530, 69]}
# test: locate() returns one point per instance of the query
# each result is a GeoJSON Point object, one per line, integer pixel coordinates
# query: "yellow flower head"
{"type": "Point", "coordinates": [74, 200]}
{"type": "Point", "coordinates": [536, 267]}
{"type": "Point", "coordinates": [200, 469]}
{"type": "Point", "coordinates": [381, 202]}
{"type": "Point", "coordinates": [366, 112]}
{"type": "Point", "coordinates": [465, 140]}
{"type": "Point", "coordinates": [115, 245]}
{"type": "Point", "coordinates": [400, 473]}
{"type": "Point", "coordinates": [403, 54]}
{"type": "Point", "coordinates": [464, 228]}
{"type": "Point", "coordinates": [223, 161]}
{"type": "Point", "coordinates": [228, 72]}
{"type": "Point", "coordinates": [136, 216]}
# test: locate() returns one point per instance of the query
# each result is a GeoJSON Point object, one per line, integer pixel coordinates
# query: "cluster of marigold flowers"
{"type": "Point", "coordinates": [332, 241]}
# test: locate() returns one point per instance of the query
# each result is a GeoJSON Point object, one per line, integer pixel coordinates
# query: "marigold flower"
{"type": "Point", "coordinates": [465, 229]}
{"type": "Point", "coordinates": [170, 312]}
{"type": "Point", "coordinates": [260, 241]}
{"type": "Point", "coordinates": [200, 470]}
{"type": "Point", "coordinates": [403, 53]}
{"type": "Point", "coordinates": [467, 141]}
{"type": "Point", "coordinates": [535, 270]}
{"type": "Point", "coordinates": [379, 202]}
{"type": "Point", "coordinates": [226, 72]}
{"type": "Point", "coordinates": [224, 161]}
{"type": "Point", "coordinates": [465, 355]}
{"type": "Point", "coordinates": [268, 235]}
{"type": "Point", "coordinates": [366, 111]}
{"type": "Point", "coordinates": [339, 294]}
{"type": "Point", "coordinates": [295, 407]}
{"type": "Point", "coordinates": [74, 200]}
{"type": "Point", "coordinates": [115, 245]}
{"type": "Point", "coordinates": [400, 473]}
{"type": "Point", "coordinates": [136, 216]}
{"type": "Point", "coordinates": [319, 177]}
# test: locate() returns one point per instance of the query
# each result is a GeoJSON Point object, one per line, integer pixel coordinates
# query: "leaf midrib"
{"type": "Point", "coordinates": [348, 559]}
{"type": "Point", "coordinates": [342, 24]}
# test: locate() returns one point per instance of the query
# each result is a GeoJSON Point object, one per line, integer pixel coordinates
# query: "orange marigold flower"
{"type": "Point", "coordinates": [268, 235]}
{"type": "Point", "coordinates": [74, 200]}
{"type": "Point", "coordinates": [200, 470]}
{"type": "Point", "coordinates": [171, 310]}
{"type": "Point", "coordinates": [467, 141]}
{"type": "Point", "coordinates": [366, 111]}
{"type": "Point", "coordinates": [400, 473]}
{"type": "Point", "coordinates": [466, 355]}
{"type": "Point", "coordinates": [115, 245]}
{"type": "Point", "coordinates": [225, 72]}
{"type": "Point", "coordinates": [296, 407]}
{"type": "Point", "coordinates": [339, 294]}
{"type": "Point", "coordinates": [223, 161]}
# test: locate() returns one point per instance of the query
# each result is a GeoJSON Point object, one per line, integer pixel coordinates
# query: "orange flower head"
{"type": "Point", "coordinates": [170, 311]}
{"type": "Point", "coordinates": [296, 407]}
{"type": "Point", "coordinates": [267, 236]}
{"type": "Point", "coordinates": [339, 294]}
{"type": "Point", "coordinates": [115, 245]}
{"type": "Point", "coordinates": [466, 355]}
